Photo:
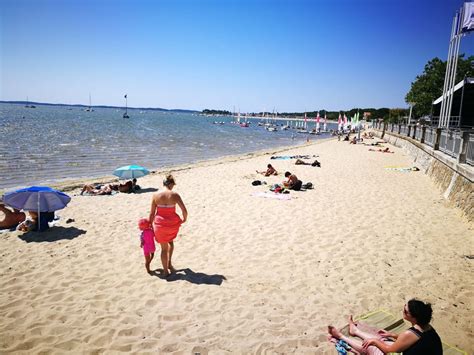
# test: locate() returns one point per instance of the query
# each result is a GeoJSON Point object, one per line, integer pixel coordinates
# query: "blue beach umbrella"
{"type": "Point", "coordinates": [38, 199]}
{"type": "Point", "coordinates": [131, 172]}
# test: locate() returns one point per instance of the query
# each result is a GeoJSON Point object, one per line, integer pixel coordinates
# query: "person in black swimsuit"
{"type": "Point", "coordinates": [420, 339]}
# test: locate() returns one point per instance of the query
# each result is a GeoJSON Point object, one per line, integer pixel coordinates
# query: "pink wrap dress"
{"type": "Point", "coordinates": [166, 223]}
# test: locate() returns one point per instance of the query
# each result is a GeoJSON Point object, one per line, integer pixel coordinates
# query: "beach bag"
{"type": "Point", "coordinates": [308, 186]}
{"type": "Point", "coordinates": [256, 182]}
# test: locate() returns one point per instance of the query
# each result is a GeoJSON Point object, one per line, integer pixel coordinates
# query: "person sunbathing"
{"type": "Point", "coordinates": [270, 171]}
{"type": "Point", "coordinates": [420, 338]}
{"type": "Point", "coordinates": [30, 223]}
{"type": "Point", "coordinates": [128, 187]}
{"type": "Point", "coordinates": [301, 162]}
{"type": "Point", "coordinates": [99, 189]}
{"type": "Point", "coordinates": [12, 217]}
{"type": "Point", "coordinates": [386, 150]}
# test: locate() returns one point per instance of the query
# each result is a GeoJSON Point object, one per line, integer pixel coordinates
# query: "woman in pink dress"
{"type": "Point", "coordinates": [166, 221]}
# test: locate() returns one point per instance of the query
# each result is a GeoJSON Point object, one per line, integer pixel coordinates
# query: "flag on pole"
{"type": "Point", "coordinates": [339, 120]}
{"type": "Point", "coordinates": [125, 96]}
{"type": "Point", "coordinates": [317, 117]}
{"type": "Point", "coordinates": [467, 21]}
{"type": "Point", "coordinates": [345, 119]}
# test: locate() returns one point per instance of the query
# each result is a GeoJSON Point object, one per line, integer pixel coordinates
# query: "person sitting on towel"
{"type": "Point", "coordinates": [270, 171]}
{"type": "Point", "coordinates": [293, 183]}
{"type": "Point", "coordinates": [421, 338]}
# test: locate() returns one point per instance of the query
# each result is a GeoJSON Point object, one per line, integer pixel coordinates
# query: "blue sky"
{"type": "Point", "coordinates": [291, 55]}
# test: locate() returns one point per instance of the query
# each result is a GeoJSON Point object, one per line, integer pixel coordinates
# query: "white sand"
{"type": "Point", "coordinates": [365, 238]}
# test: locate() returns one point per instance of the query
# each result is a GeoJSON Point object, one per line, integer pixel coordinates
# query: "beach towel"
{"type": "Point", "coordinates": [402, 169]}
{"type": "Point", "coordinates": [382, 319]}
{"type": "Point", "coordinates": [273, 195]}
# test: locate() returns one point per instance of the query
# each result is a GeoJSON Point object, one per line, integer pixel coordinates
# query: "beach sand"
{"type": "Point", "coordinates": [258, 275]}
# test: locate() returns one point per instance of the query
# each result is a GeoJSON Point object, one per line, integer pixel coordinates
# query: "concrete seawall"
{"type": "Point", "coordinates": [453, 179]}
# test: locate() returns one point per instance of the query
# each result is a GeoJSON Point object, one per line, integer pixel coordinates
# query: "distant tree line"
{"type": "Point", "coordinates": [216, 112]}
{"type": "Point", "coordinates": [428, 86]}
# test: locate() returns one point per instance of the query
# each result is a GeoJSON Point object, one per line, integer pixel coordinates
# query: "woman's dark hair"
{"type": "Point", "coordinates": [269, 166]}
{"type": "Point", "coordinates": [287, 174]}
{"type": "Point", "coordinates": [421, 311]}
{"type": "Point", "coordinates": [169, 180]}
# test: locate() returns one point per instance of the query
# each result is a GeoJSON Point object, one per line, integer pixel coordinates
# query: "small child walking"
{"type": "Point", "coordinates": [147, 242]}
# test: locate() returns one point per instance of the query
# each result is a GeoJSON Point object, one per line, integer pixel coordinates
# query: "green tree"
{"type": "Point", "coordinates": [428, 86]}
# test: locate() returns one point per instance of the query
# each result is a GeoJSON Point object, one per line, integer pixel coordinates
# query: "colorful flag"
{"type": "Point", "coordinates": [345, 119]}
{"type": "Point", "coordinates": [339, 120]}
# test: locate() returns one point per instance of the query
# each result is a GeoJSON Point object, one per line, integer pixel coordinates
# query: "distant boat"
{"type": "Point", "coordinates": [89, 109]}
{"type": "Point", "coordinates": [125, 115]}
{"type": "Point", "coordinates": [28, 105]}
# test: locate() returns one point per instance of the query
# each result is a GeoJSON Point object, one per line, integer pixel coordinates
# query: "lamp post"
{"type": "Point", "coordinates": [411, 109]}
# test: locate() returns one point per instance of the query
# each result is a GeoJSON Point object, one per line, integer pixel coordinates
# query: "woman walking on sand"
{"type": "Point", "coordinates": [166, 222]}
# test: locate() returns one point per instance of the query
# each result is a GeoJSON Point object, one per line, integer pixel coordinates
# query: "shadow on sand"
{"type": "Point", "coordinates": [189, 275]}
{"type": "Point", "coordinates": [52, 235]}
{"type": "Point", "coordinates": [145, 190]}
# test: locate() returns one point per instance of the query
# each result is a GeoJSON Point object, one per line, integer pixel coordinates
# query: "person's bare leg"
{"type": "Point", "coordinates": [356, 345]}
{"type": "Point", "coordinates": [147, 263]}
{"type": "Point", "coordinates": [357, 332]}
{"type": "Point", "coordinates": [170, 265]}
{"type": "Point", "coordinates": [165, 258]}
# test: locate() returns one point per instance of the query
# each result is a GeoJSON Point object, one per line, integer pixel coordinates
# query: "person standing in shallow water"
{"type": "Point", "coordinates": [166, 221]}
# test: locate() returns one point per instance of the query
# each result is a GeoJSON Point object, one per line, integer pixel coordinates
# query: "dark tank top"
{"type": "Point", "coordinates": [429, 343]}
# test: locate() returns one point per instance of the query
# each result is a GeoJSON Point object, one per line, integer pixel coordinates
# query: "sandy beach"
{"type": "Point", "coordinates": [256, 275]}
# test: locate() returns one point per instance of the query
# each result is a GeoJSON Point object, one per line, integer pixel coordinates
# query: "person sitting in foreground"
{"type": "Point", "coordinates": [421, 338]}
{"type": "Point", "coordinates": [12, 217]}
{"type": "Point", "coordinates": [293, 183]}
{"type": "Point", "coordinates": [347, 138]}
{"type": "Point", "coordinates": [30, 223]}
{"type": "Point", "coordinates": [353, 140]}
{"type": "Point", "coordinates": [270, 171]}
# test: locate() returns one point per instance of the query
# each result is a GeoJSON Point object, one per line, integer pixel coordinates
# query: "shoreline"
{"type": "Point", "coordinates": [70, 184]}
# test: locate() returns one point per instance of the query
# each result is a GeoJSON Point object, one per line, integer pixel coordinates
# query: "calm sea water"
{"type": "Point", "coordinates": [49, 143]}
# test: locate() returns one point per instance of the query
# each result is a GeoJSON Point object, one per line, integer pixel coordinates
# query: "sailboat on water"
{"type": "Point", "coordinates": [28, 104]}
{"type": "Point", "coordinates": [125, 115]}
{"type": "Point", "coordinates": [89, 109]}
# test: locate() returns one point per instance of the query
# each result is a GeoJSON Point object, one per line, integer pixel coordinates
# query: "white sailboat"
{"type": "Point", "coordinates": [89, 109]}
{"type": "Point", "coordinates": [125, 115]}
{"type": "Point", "coordinates": [28, 104]}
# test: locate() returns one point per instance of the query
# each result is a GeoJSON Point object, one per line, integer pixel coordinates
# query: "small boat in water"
{"type": "Point", "coordinates": [89, 109]}
{"type": "Point", "coordinates": [28, 104]}
{"type": "Point", "coordinates": [125, 115]}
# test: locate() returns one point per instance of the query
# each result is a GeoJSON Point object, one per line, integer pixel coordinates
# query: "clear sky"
{"type": "Point", "coordinates": [291, 55]}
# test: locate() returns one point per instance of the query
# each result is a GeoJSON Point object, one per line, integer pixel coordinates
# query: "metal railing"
{"type": "Point", "coordinates": [458, 144]}
{"type": "Point", "coordinates": [430, 136]}
{"type": "Point", "coordinates": [418, 133]}
{"type": "Point", "coordinates": [470, 150]}
{"type": "Point", "coordinates": [450, 142]}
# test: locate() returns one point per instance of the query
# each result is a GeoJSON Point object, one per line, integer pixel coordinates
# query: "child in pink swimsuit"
{"type": "Point", "coordinates": [147, 242]}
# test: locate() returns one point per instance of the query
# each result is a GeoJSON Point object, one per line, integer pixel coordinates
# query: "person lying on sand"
{"type": "Point", "coordinates": [421, 338]}
{"type": "Point", "coordinates": [29, 223]}
{"type": "Point", "coordinates": [270, 171]}
{"type": "Point", "coordinates": [99, 190]}
{"type": "Point", "coordinates": [301, 162]}
{"type": "Point", "coordinates": [12, 217]}
{"type": "Point", "coordinates": [386, 150]}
